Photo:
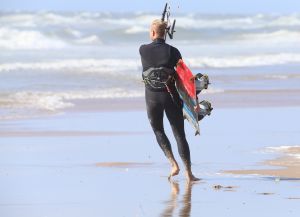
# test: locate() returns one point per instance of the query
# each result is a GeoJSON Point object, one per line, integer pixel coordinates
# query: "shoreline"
{"type": "Point", "coordinates": [228, 99]}
{"type": "Point", "coordinates": [286, 166]}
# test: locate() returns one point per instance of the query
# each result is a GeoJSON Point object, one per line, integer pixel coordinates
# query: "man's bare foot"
{"type": "Point", "coordinates": [174, 171]}
{"type": "Point", "coordinates": [191, 178]}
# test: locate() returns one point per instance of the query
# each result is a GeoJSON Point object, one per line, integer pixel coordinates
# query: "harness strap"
{"type": "Point", "coordinates": [151, 69]}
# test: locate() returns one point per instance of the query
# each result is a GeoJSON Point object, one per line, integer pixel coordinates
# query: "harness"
{"type": "Point", "coordinates": [159, 78]}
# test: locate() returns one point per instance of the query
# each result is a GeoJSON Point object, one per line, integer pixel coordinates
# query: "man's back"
{"type": "Point", "coordinates": [159, 54]}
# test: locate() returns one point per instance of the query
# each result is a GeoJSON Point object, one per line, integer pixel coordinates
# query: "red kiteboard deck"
{"type": "Point", "coordinates": [185, 84]}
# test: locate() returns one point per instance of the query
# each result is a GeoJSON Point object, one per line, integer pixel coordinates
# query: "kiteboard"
{"type": "Point", "coordinates": [186, 87]}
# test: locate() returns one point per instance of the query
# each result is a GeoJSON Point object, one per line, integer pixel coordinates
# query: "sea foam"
{"type": "Point", "coordinates": [14, 39]}
{"type": "Point", "coordinates": [53, 101]}
{"type": "Point", "coordinates": [115, 66]}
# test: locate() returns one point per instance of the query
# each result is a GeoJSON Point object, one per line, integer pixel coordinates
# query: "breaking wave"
{"type": "Point", "coordinates": [50, 30]}
{"type": "Point", "coordinates": [24, 19]}
{"type": "Point", "coordinates": [281, 36]}
{"type": "Point", "coordinates": [27, 40]}
{"type": "Point", "coordinates": [86, 65]}
{"type": "Point", "coordinates": [133, 66]}
{"type": "Point", "coordinates": [244, 61]}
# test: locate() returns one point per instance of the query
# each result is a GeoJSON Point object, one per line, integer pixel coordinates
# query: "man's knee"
{"type": "Point", "coordinates": [156, 125]}
{"type": "Point", "coordinates": [160, 133]}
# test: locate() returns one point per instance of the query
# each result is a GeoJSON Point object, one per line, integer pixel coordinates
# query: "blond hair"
{"type": "Point", "coordinates": [159, 27]}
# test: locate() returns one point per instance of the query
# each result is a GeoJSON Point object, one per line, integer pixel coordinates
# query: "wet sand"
{"type": "Point", "coordinates": [287, 166]}
{"type": "Point", "coordinates": [100, 163]}
{"type": "Point", "coordinates": [64, 133]}
{"type": "Point", "coordinates": [122, 164]}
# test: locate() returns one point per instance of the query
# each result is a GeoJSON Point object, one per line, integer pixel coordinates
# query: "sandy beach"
{"type": "Point", "coordinates": [89, 162]}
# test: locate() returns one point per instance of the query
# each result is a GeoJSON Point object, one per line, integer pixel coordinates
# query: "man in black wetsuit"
{"type": "Point", "coordinates": [159, 61]}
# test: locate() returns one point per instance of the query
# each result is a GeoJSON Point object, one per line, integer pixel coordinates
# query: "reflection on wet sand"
{"type": "Point", "coordinates": [171, 204]}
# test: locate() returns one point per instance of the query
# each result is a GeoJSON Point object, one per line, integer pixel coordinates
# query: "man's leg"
{"type": "Point", "coordinates": [155, 113]}
{"type": "Point", "coordinates": [175, 116]}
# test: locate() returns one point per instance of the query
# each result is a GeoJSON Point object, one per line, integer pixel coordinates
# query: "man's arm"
{"type": "Point", "coordinates": [140, 49]}
{"type": "Point", "coordinates": [176, 56]}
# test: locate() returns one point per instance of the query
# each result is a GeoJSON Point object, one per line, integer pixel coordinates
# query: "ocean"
{"type": "Point", "coordinates": [48, 59]}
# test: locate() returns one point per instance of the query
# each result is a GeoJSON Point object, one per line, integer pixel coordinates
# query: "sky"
{"type": "Point", "coordinates": [203, 6]}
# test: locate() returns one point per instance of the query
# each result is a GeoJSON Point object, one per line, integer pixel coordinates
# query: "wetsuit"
{"type": "Point", "coordinates": [159, 54]}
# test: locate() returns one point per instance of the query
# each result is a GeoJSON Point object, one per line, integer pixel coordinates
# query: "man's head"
{"type": "Point", "coordinates": [157, 29]}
